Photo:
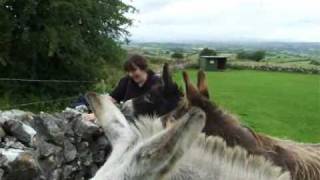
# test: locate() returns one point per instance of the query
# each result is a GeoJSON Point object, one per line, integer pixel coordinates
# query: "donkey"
{"type": "Point", "coordinates": [301, 160]}
{"type": "Point", "coordinates": [147, 150]}
{"type": "Point", "coordinates": [159, 100]}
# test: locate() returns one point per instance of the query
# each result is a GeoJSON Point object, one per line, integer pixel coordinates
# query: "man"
{"type": "Point", "coordinates": [139, 80]}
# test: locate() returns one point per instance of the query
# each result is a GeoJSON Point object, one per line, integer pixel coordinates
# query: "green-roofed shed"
{"type": "Point", "coordinates": [212, 63]}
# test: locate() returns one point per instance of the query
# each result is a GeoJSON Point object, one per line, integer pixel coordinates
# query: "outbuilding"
{"type": "Point", "coordinates": [212, 63]}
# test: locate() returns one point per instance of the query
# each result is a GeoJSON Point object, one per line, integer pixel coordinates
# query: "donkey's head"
{"type": "Point", "coordinates": [114, 124]}
{"type": "Point", "coordinates": [138, 154]}
{"type": "Point", "coordinates": [160, 100]}
{"type": "Point", "coordinates": [198, 96]}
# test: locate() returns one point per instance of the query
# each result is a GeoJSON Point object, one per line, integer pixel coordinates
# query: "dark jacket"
{"type": "Point", "coordinates": [128, 89]}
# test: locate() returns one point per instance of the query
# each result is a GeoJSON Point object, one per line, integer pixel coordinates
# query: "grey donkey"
{"type": "Point", "coordinates": [147, 150]}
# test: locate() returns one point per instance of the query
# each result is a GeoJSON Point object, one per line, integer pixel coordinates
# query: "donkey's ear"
{"type": "Point", "coordinates": [168, 145]}
{"type": "Point", "coordinates": [190, 89]}
{"type": "Point", "coordinates": [202, 84]}
{"type": "Point", "coordinates": [166, 75]}
{"type": "Point", "coordinates": [111, 119]}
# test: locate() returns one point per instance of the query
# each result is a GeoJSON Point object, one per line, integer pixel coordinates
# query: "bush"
{"type": "Point", "coordinates": [315, 62]}
{"type": "Point", "coordinates": [275, 67]}
{"type": "Point", "coordinates": [67, 40]}
{"type": "Point", "coordinates": [255, 55]}
{"type": "Point", "coordinates": [177, 55]}
{"type": "Point", "coordinates": [208, 52]}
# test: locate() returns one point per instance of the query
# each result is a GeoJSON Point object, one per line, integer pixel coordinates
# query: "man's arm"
{"type": "Point", "coordinates": [119, 92]}
{"type": "Point", "coordinates": [80, 101]}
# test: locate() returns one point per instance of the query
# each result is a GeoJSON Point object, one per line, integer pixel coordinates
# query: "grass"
{"type": "Point", "coordinates": [284, 105]}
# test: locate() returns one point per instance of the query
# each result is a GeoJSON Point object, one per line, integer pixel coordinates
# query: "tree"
{"type": "Point", "coordinates": [41, 38]}
{"type": "Point", "coordinates": [177, 55]}
{"type": "Point", "coordinates": [208, 52]}
{"type": "Point", "coordinates": [255, 55]}
{"type": "Point", "coordinates": [61, 39]}
{"type": "Point", "coordinates": [258, 55]}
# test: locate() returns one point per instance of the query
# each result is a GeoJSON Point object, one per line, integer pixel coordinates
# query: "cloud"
{"type": "Point", "coordinates": [216, 20]}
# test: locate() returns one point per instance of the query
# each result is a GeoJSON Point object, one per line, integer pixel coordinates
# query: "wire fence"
{"type": "Point", "coordinates": [39, 102]}
{"type": "Point", "coordinates": [46, 80]}
{"type": "Point", "coordinates": [21, 80]}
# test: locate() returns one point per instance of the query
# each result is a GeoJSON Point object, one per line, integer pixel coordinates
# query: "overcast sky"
{"type": "Point", "coordinates": [226, 20]}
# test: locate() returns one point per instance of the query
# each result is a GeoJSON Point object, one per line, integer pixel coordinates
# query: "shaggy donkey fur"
{"type": "Point", "coordinates": [302, 160]}
{"type": "Point", "coordinates": [146, 150]}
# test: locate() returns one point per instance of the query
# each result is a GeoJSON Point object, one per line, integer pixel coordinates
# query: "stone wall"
{"type": "Point", "coordinates": [50, 146]}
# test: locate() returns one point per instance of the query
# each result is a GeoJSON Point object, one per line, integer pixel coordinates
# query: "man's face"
{"type": "Point", "coordinates": [138, 75]}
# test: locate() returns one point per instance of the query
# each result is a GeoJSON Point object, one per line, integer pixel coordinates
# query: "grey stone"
{"type": "Point", "coordinates": [1, 173]}
{"type": "Point", "coordinates": [17, 115]}
{"type": "Point", "coordinates": [67, 171]}
{"type": "Point", "coordinates": [71, 114]}
{"type": "Point", "coordinates": [99, 156]}
{"type": "Point", "coordinates": [70, 151]}
{"type": "Point", "coordinates": [3, 160]}
{"type": "Point", "coordinates": [100, 149]}
{"type": "Point", "coordinates": [85, 154]}
{"type": "Point", "coordinates": [9, 155]}
{"type": "Point", "coordinates": [2, 132]}
{"type": "Point", "coordinates": [22, 132]}
{"type": "Point", "coordinates": [17, 145]}
{"type": "Point", "coordinates": [69, 131]}
{"type": "Point", "coordinates": [102, 143]}
{"type": "Point", "coordinates": [48, 165]}
{"type": "Point", "coordinates": [24, 167]}
{"type": "Point", "coordinates": [56, 175]}
{"type": "Point", "coordinates": [48, 126]}
{"type": "Point", "coordinates": [86, 129]}
{"type": "Point", "coordinates": [12, 142]}
{"type": "Point", "coordinates": [93, 169]}
{"type": "Point", "coordinates": [46, 149]}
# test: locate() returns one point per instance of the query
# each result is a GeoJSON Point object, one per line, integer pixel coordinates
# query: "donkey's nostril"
{"type": "Point", "coordinates": [201, 116]}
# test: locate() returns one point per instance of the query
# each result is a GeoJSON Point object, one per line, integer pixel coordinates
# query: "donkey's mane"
{"type": "Point", "coordinates": [301, 159]}
{"type": "Point", "coordinates": [147, 126]}
{"type": "Point", "coordinates": [210, 155]}
{"type": "Point", "coordinates": [306, 158]}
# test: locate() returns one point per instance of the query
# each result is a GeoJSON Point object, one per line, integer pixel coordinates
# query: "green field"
{"type": "Point", "coordinates": [285, 105]}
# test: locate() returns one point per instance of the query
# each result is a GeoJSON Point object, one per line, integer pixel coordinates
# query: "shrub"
{"type": "Point", "coordinates": [66, 40]}
{"type": "Point", "coordinates": [315, 62]}
{"type": "Point", "coordinates": [208, 52]}
{"type": "Point", "coordinates": [275, 67]}
{"type": "Point", "coordinates": [255, 55]}
{"type": "Point", "coordinates": [177, 55]}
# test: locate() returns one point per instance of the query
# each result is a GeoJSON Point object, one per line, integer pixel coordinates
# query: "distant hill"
{"type": "Point", "coordinates": [294, 48]}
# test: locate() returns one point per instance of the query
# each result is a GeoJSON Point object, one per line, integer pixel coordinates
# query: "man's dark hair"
{"type": "Point", "coordinates": [135, 61]}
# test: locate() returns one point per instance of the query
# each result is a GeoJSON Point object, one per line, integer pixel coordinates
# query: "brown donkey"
{"type": "Point", "coordinates": [301, 160]}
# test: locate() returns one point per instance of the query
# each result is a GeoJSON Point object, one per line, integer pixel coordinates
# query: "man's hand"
{"type": "Point", "coordinates": [89, 117]}
{"type": "Point", "coordinates": [113, 100]}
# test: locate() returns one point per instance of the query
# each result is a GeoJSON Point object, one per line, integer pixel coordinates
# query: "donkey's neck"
{"type": "Point", "coordinates": [220, 123]}
{"type": "Point", "coordinates": [210, 158]}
